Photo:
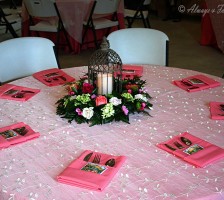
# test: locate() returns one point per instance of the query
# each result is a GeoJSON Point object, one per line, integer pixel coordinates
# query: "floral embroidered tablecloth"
{"type": "Point", "coordinates": [29, 170]}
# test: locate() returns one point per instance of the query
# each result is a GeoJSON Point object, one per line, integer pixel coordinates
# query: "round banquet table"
{"type": "Point", "coordinates": [29, 170]}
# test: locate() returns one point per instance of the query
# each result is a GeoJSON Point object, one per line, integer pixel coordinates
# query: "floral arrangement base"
{"type": "Point", "coordinates": [83, 105]}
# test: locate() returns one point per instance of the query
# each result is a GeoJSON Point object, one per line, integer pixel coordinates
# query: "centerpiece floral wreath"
{"type": "Point", "coordinates": [83, 105]}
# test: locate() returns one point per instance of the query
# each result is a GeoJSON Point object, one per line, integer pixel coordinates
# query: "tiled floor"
{"type": "Point", "coordinates": [185, 50]}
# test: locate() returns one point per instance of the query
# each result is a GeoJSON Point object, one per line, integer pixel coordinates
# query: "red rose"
{"type": "Point", "coordinates": [100, 100]}
{"type": "Point", "coordinates": [87, 88]}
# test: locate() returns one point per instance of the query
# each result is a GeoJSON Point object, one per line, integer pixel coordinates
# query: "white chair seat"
{"type": "Point", "coordinates": [44, 26]}
{"type": "Point", "coordinates": [101, 23]}
{"type": "Point", "coordinates": [13, 18]}
{"type": "Point", "coordinates": [104, 23]}
{"type": "Point", "coordinates": [131, 13]}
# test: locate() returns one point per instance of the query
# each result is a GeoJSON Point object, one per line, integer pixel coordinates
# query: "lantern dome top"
{"type": "Point", "coordinates": [105, 59]}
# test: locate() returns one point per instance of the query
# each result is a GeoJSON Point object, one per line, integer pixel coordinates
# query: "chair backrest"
{"type": "Point", "coordinates": [140, 46]}
{"type": "Point", "coordinates": [24, 56]}
{"type": "Point", "coordinates": [40, 8]}
{"type": "Point", "coordinates": [106, 6]}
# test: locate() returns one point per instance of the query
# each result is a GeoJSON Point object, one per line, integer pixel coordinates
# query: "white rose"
{"type": "Point", "coordinates": [140, 96]}
{"type": "Point", "coordinates": [115, 101]}
{"type": "Point", "coordinates": [87, 112]}
{"type": "Point", "coordinates": [144, 99]}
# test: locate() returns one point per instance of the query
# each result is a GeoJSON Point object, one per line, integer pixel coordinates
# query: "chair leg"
{"type": "Point", "coordinates": [84, 37]}
{"type": "Point", "coordinates": [143, 19]}
{"type": "Point", "coordinates": [67, 40]}
{"type": "Point", "coordinates": [55, 52]}
{"type": "Point", "coordinates": [147, 22]}
{"type": "Point", "coordinates": [61, 28]}
{"type": "Point", "coordinates": [130, 22]}
{"type": "Point", "coordinates": [95, 37]}
{"type": "Point", "coordinates": [11, 30]}
{"type": "Point", "coordinates": [57, 43]}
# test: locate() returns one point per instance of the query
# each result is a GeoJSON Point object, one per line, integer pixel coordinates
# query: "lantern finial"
{"type": "Point", "coordinates": [105, 44]}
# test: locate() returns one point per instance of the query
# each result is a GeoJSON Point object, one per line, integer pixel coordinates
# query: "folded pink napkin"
{"type": "Point", "coordinates": [53, 77]}
{"type": "Point", "coordinates": [18, 93]}
{"type": "Point", "coordinates": [217, 110]}
{"type": "Point", "coordinates": [16, 133]}
{"type": "Point", "coordinates": [196, 83]}
{"type": "Point", "coordinates": [193, 150]}
{"type": "Point", "coordinates": [130, 71]}
{"type": "Point", "coordinates": [86, 174]}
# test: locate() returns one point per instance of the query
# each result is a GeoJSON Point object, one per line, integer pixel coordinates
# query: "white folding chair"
{"type": "Point", "coordinates": [43, 9]}
{"type": "Point", "coordinates": [137, 10]}
{"type": "Point", "coordinates": [8, 20]}
{"type": "Point", "coordinates": [24, 56]}
{"type": "Point", "coordinates": [140, 46]}
{"type": "Point", "coordinates": [97, 19]}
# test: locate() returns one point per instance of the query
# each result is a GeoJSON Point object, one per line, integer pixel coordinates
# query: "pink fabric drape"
{"type": "Point", "coordinates": [215, 8]}
{"type": "Point", "coordinates": [73, 13]}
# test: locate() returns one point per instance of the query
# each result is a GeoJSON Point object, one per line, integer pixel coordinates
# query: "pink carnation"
{"type": "Point", "coordinates": [125, 110]}
{"type": "Point", "coordinates": [79, 111]}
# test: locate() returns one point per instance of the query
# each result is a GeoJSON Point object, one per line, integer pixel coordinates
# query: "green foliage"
{"type": "Point", "coordinates": [85, 107]}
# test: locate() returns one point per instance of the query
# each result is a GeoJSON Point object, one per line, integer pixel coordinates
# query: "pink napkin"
{"type": "Point", "coordinates": [18, 93]}
{"type": "Point", "coordinates": [130, 71]}
{"type": "Point", "coordinates": [196, 83]}
{"type": "Point", "coordinates": [53, 77]}
{"type": "Point", "coordinates": [217, 112]}
{"type": "Point", "coordinates": [16, 133]}
{"type": "Point", "coordinates": [193, 150]}
{"type": "Point", "coordinates": [80, 173]}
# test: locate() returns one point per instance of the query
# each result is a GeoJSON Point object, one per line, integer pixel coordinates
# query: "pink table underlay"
{"type": "Point", "coordinates": [29, 170]}
{"type": "Point", "coordinates": [73, 13]}
{"type": "Point", "coordinates": [212, 24]}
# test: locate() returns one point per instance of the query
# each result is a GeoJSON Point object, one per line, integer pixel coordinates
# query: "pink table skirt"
{"type": "Point", "coordinates": [73, 23]}
{"type": "Point", "coordinates": [29, 170]}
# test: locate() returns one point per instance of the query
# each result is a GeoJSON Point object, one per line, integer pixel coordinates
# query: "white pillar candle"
{"type": "Point", "coordinates": [104, 83]}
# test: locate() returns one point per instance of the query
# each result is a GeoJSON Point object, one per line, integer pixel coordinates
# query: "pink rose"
{"type": "Point", "coordinates": [101, 100]}
{"type": "Point", "coordinates": [143, 106]}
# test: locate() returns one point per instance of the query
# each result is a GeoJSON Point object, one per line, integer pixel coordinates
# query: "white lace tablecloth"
{"type": "Point", "coordinates": [29, 170]}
